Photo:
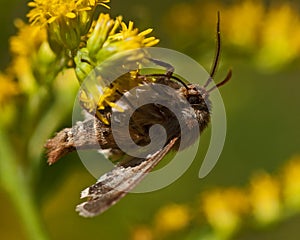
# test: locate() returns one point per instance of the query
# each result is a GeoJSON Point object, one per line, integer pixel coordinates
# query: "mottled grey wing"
{"type": "Point", "coordinates": [114, 185]}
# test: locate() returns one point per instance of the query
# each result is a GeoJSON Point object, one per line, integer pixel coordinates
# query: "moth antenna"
{"type": "Point", "coordinates": [217, 54]}
{"type": "Point", "coordinates": [227, 78]}
{"type": "Point", "coordinates": [179, 80]}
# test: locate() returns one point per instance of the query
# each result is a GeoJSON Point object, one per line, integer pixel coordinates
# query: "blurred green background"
{"type": "Point", "coordinates": [262, 105]}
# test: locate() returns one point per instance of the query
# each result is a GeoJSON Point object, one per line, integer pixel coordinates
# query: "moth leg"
{"type": "Point", "coordinates": [170, 69]}
{"type": "Point", "coordinates": [168, 75]}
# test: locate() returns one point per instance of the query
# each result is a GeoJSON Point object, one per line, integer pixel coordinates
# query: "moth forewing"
{"type": "Point", "coordinates": [114, 185]}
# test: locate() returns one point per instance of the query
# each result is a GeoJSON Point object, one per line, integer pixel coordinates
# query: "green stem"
{"type": "Point", "coordinates": [51, 119]}
{"type": "Point", "coordinates": [15, 184]}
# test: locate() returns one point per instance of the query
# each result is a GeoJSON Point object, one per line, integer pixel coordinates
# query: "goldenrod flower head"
{"type": "Point", "coordinates": [107, 38]}
{"type": "Point", "coordinates": [291, 183]}
{"type": "Point", "coordinates": [172, 217]}
{"type": "Point", "coordinates": [265, 198]}
{"type": "Point", "coordinates": [66, 20]}
{"type": "Point", "coordinates": [114, 36]}
{"type": "Point", "coordinates": [44, 11]}
{"type": "Point", "coordinates": [224, 208]}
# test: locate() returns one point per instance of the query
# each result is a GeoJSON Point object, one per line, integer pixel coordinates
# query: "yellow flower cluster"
{"type": "Point", "coordinates": [37, 90]}
{"type": "Point", "coordinates": [64, 34]}
{"type": "Point", "coordinates": [44, 12]}
{"type": "Point", "coordinates": [8, 89]}
{"type": "Point", "coordinates": [107, 38]}
{"type": "Point", "coordinates": [73, 34]}
{"type": "Point", "coordinates": [170, 218]}
{"type": "Point", "coordinates": [66, 21]}
{"type": "Point", "coordinates": [267, 199]}
{"type": "Point", "coordinates": [101, 97]}
{"type": "Point", "coordinates": [264, 196]}
{"type": "Point", "coordinates": [224, 209]}
{"type": "Point", "coordinates": [30, 51]}
{"type": "Point", "coordinates": [290, 176]}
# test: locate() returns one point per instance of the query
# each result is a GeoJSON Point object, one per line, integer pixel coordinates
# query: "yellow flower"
{"type": "Point", "coordinates": [49, 11]}
{"type": "Point", "coordinates": [96, 97]}
{"type": "Point", "coordinates": [31, 53]}
{"type": "Point", "coordinates": [241, 23]}
{"type": "Point", "coordinates": [224, 208]}
{"type": "Point", "coordinates": [280, 36]}
{"type": "Point", "coordinates": [142, 233]}
{"type": "Point", "coordinates": [107, 38]}
{"type": "Point", "coordinates": [28, 39]}
{"type": "Point", "coordinates": [8, 89]}
{"type": "Point", "coordinates": [66, 20]}
{"type": "Point", "coordinates": [291, 183]}
{"type": "Point", "coordinates": [172, 218]}
{"type": "Point", "coordinates": [114, 36]}
{"type": "Point", "coordinates": [270, 33]}
{"type": "Point", "coordinates": [265, 198]}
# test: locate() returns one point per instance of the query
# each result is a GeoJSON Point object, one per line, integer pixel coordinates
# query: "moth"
{"type": "Point", "coordinates": [129, 171]}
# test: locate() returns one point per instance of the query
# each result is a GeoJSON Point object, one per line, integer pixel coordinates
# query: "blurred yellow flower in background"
{"type": "Point", "coordinates": [224, 209]}
{"type": "Point", "coordinates": [280, 36]}
{"type": "Point", "coordinates": [172, 217]}
{"type": "Point", "coordinates": [291, 184]}
{"type": "Point", "coordinates": [269, 33]}
{"type": "Point", "coordinates": [8, 89]}
{"type": "Point", "coordinates": [30, 51]}
{"type": "Point", "coordinates": [142, 233]}
{"type": "Point", "coordinates": [265, 198]}
{"type": "Point", "coordinates": [242, 23]}
{"type": "Point", "coordinates": [168, 220]}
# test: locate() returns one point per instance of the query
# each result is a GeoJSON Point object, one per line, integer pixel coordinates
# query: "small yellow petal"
{"type": "Point", "coordinates": [146, 32]}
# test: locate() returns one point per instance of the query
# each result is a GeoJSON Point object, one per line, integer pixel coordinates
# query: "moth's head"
{"type": "Point", "coordinates": [198, 98]}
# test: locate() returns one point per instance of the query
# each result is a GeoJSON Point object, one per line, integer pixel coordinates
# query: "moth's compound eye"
{"type": "Point", "coordinates": [194, 99]}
